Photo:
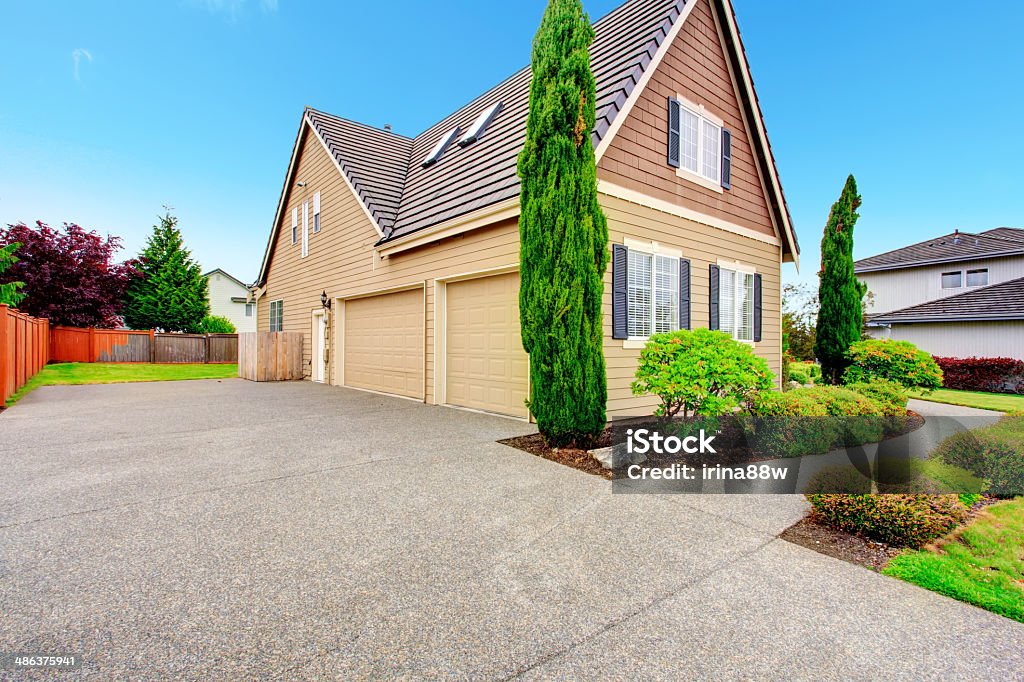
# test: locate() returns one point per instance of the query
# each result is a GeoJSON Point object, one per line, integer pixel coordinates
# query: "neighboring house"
{"type": "Point", "coordinates": [228, 298]}
{"type": "Point", "coordinates": [959, 295]}
{"type": "Point", "coordinates": [415, 241]}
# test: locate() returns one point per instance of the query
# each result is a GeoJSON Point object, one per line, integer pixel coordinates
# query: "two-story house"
{"type": "Point", "coordinates": [229, 297]}
{"type": "Point", "coordinates": [413, 242]}
{"type": "Point", "coordinates": [959, 295]}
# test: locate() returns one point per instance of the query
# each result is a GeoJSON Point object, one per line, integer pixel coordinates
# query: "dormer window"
{"type": "Point", "coordinates": [699, 145]}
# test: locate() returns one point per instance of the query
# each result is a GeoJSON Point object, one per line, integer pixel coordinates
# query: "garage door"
{"type": "Point", "coordinates": [384, 343]}
{"type": "Point", "coordinates": [486, 367]}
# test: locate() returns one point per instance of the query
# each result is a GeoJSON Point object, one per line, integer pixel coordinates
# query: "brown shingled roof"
{"type": "Point", "coordinates": [404, 197]}
{"type": "Point", "coordinates": [1002, 241]}
{"type": "Point", "coordinates": [1003, 301]}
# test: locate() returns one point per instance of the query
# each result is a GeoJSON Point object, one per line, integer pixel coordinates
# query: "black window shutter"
{"type": "Point", "coordinates": [684, 293]}
{"type": "Point", "coordinates": [673, 132]}
{"type": "Point", "coordinates": [620, 302]}
{"type": "Point", "coordinates": [713, 299]}
{"type": "Point", "coordinates": [757, 307]}
{"type": "Point", "coordinates": [726, 159]}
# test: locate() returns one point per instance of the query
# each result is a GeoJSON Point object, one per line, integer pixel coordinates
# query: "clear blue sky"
{"type": "Point", "coordinates": [112, 109]}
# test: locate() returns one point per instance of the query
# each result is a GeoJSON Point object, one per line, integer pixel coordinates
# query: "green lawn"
{"type": "Point", "coordinates": [74, 373]}
{"type": "Point", "coordinates": [1001, 402]}
{"type": "Point", "coordinates": [983, 564]}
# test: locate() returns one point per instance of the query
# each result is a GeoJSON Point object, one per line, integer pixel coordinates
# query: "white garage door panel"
{"type": "Point", "coordinates": [384, 343]}
{"type": "Point", "coordinates": [486, 367]}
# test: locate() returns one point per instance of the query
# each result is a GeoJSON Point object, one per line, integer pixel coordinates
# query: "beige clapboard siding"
{"type": "Point", "coordinates": [703, 245]}
{"type": "Point", "coordinates": [695, 67]}
{"type": "Point", "coordinates": [342, 261]}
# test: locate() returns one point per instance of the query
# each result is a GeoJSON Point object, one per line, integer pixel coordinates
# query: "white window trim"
{"type": "Point", "coordinates": [305, 229]}
{"type": "Point", "coordinates": [967, 271]}
{"type": "Point", "coordinates": [702, 113]}
{"type": "Point", "coordinates": [652, 249]}
{"type": "Point", "coordinates": [270, 312]}
{"type": "Point", "coordinates": [737, 266]}
{"type": "Point", "coordinates": [963, 280]}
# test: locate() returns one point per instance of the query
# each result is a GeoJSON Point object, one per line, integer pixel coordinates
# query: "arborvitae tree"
{"type": "Point", "coordinates": [563, 234]}
{"type": "Point", "coordinates": [9, 294]}
{"type": "Point", "coordinates": [839, 292]}
{"type": "Point", "coordinates": [170, 292]}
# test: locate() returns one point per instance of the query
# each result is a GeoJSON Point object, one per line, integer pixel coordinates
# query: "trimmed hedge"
{"type": "Point", "coordinates": [898, 361]}
{"type": "Point", "coordinates": [799, 376]}
{"type": "Point", "coordinates": [991, 375]}
{"type": "Point", "coordinates": [994, 453]}
{"type": "Point", "coordinates": [889, 397]}
{"type": "Point", "coordinates": [904, 520]}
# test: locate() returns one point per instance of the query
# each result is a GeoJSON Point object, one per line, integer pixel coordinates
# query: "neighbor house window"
{"type": "Point", "coordinates": [249, 309]}
{"type": "Point", "coordinates": [951, 280]}
{"type": "Point", "coordinates": [977, 278]}
{"type": "Point", "coordinates": [276, 316]}
{"type": "Point", "coordinates": [736, 304]}
{"type": "Point", "coordinates": [700, 143]}
{"type": "Point", "coordinates": [653, 294]}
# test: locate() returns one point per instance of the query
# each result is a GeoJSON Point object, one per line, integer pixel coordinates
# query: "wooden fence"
{"type": "Point", "coordinates": [270, 356]}
{"type": "Point", "coordinates": [74, 344]}
{"type": "Point", "coordinates": [24, 349]}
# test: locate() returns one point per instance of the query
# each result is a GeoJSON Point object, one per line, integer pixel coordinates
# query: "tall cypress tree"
{"type": "Point", "coordinates": [563, 234]}
{"type": "Point", "coordinates": [169, 292]}
{"type": "Point", "coordinates": [839, 292]}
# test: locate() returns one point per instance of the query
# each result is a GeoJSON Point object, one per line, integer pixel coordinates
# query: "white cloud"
{"type": "Point", "coordinates": [233, 8]}
{"type": "Point", "coordinates": [77, 55]}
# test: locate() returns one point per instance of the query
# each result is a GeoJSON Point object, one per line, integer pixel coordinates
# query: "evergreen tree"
{"type": "Point", "coordinates": [9, 294]}
{"type": "Point", "coordinates": [563, 234]}
{"type": "Point", "coordinates": [839, 292]}
{"type": "Point", "coordinates": [169, 293]}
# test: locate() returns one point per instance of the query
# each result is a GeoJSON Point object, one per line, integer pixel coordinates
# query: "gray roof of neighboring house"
{"type": "Point", "coordinates": [1003, 301]}
{"type": "Point", "coordinates": [385, 168]}
{"type": "Point", "coordinates": [958, 246]}
{"type": "Point", "coordinates": [229, 276]}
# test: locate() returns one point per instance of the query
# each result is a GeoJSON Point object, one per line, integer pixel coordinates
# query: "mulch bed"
{"type": "Point", "coordinates": [735, 450]}
{"type": "Point", "coordinates": [853, 548]}
{"type": "Point", "coordinates": [571, 457]}
{"type": "Point", "coordinates": [840, 545]}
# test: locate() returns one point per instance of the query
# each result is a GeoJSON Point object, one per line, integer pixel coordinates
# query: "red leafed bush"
{"type": "Point", "coordinates": [994, 375]}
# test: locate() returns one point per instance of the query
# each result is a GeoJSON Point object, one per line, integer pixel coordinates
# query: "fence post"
{"type": "Point", "coordinates": [206, 350]}
{"type": "Point", "coordinates": [5, 354]}
{"type": "Point", "coordinates": [152, 346]}
{"type": "Point", "coordinates": [92, 345]}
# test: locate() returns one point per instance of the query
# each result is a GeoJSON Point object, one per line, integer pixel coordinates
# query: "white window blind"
{"type": "Point", "coordinates": [640, 294]}
{"type": "Point", "coordinates": [316, 212]}
{"type": "Point", "coordinates": [736, 304]}
{"type": "Point", "coordinates": [295, 226]}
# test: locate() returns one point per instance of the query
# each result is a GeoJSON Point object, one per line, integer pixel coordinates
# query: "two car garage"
{"type": "Point", "coordinates": [478, 356]}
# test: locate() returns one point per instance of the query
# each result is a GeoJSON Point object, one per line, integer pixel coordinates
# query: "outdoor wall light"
{"type": "Point", "coordinates": [324, 301]}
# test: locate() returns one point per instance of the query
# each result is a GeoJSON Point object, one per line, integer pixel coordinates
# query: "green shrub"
{"type": "Point", "coordinates": [924, 477]}
{"type": "Point", "coordinates": [215, 324]}
{"type": "Point", "coordinates": [799, 376]}
{"type": "Point", "coordinates": [898, 361]}
{"type": "Point", "coordinates": [815, 371]}
{"type": "Point", "coordinates": [790, 424]}
{"type": "Point", "coordinates": [858, 418]}
{"type": "Point", "coordinates": [699, 372]}
{"type": "Point", "coordinates": [889, 397]}
{"type": "Point", "coordinates": [994, 453]}
{"type": "Point", "coordinates": [904, 520]}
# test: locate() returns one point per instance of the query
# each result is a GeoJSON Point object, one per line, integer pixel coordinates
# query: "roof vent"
{"type": "Point", "coordinates": [956, 237]}
{"type": "Point", "coordinates": [476, 131]}
{"type": "Point", "coordinates": [442, 144]}
{"type": "Point", "coordinates": [387, 127]}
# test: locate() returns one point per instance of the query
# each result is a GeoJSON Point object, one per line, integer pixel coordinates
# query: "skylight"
{"type": "Point", "coordinates": [476, 131]}
{"type": "Point", "coordinates": [442, 144]}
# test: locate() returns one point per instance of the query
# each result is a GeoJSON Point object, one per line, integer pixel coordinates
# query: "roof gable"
{"type": "Point", "coordinates": [1003, 301]}
{"type": "Point", "coordinates": [402, 197]}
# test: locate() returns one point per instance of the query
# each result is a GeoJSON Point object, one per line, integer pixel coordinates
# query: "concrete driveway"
{"type": "Point", "coordinates": [228, 530]}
